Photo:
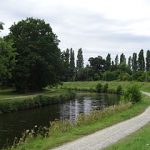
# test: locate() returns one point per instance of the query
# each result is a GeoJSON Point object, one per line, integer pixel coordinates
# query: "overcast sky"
{"type": "Point", "coordinates": [98, 26]}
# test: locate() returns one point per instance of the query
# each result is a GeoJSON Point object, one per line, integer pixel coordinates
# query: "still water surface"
{"type": "Point", "coordinates": [13, 124]}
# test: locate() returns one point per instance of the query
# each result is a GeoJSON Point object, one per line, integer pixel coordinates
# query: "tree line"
{"type": "Point", "coordinates": [30, 59]}
{"type": "Point", "coordinates": [136, 67]}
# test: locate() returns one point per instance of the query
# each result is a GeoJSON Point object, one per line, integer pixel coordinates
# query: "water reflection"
{"type": "Point", "coordinates": [13, 124]}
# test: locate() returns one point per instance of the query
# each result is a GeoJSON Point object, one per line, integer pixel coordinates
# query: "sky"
{"type": "Point", "coordinates": [98, 27]}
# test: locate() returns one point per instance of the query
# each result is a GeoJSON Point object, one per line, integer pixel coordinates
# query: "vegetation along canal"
{"type": "Point", "coordinates": [13, 124]}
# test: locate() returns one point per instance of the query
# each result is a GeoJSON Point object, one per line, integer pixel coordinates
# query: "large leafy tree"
{"type": "Point", "coordinates": [38, 60]}
{"type": "Point", "coordinates": [141, 61]}
{"type": "Point", "coordinates": [97, 64]}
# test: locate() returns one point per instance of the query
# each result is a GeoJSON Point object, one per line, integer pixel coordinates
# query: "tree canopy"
{"type": "Point", "coordinates": [38, 62]}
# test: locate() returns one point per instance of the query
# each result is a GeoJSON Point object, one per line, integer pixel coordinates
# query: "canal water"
{"type": "Point", "coordinates": [13, 124]}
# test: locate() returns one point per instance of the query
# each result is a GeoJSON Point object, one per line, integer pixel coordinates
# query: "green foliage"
{"type": "Point", "coordinates": [97, 63]}
{"type": "Point", "coordinates": [134, 62]}
{"type": "Point", "coordinates": [66, 64]}
{"type": "Point", "coordinates": [109, 75]}
{"type": "Point", "coordinates": [108, 62]}
{"type": "Point", "coordinates": [79, 59]}
{"type": "Point", "coordinates": [1, 25]}
{"type": "Point", "coordinates": [148, 60]}
{"type": "Point", "coordinates": [130, 62]}
{"type": "Point", "coordinates": [72, 65]}
{"type": "Point", "coordinates": [99, 88]}
{"type": "Point", "coordinates": [116, 60]}
{"type": "Point", "coordinates": [141, 61]}
{"type": "Point", "coordinates": [122, 59]}
{"type": "Point", "coordinates": [38, 60]}
{"type": "Point", "coordinates": [105, 88]}
{"type": "Point", "coordinates": [133, 94]}
{"type": "Point", "coordinates": [124, 77]}
{"type": "Point", "coordinates": [119, 90]}
{"type": "Point", "coordinates": [7, 62]}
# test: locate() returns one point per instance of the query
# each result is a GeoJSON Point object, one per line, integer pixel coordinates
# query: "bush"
{"type": "Point", "coordinates": [105, 88]}
{"type": "Point", "coordinates": [133, 94]}
{"type": "Point", "coordinates": [99, 88]}
{"type": "Point", "coordinates": [119, 90]}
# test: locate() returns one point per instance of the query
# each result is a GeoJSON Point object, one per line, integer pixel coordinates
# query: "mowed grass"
{"type": "Point", "coordinates": [139, 140]}
{"type": "Point", "coordinates": [76, 132]}
{"type": "Point", "coordinates": [10, 94]}
{"type": "Point", "coordinates": [91, 85]}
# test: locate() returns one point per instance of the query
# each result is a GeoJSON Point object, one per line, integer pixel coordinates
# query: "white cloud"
{"type": "Point", "coordinates": [98, 26]}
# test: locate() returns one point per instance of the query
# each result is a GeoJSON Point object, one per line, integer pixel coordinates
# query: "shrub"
{"type": "Point", "coordinates": [133, 94]}
{"type": "Point", "coordinates": [105, 88]}
{"type": "Point", "coordinates": [119, 90]}
{"type": "Point", "coordinates": [99, 88]}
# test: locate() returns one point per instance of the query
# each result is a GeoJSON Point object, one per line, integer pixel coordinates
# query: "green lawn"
{"type": "Point", "coordinates": [10, 94]}
{"type": "Point", "coordinates": [139, 140]}
{"type": "Point", "coordinates": [87, 85]}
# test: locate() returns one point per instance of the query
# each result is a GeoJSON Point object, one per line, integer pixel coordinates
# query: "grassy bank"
{"type": "Point", "coordinates": [64, 131]}
{"type": "Point", "coordinates": [14, 102]}
{"type": "Point", "coordinates": [139, 140]}
{"type": "Point", "coordinates": [91, 85]}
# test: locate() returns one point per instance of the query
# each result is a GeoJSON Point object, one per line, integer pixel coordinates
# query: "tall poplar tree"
{"type": "Point", "coordinates": [134, 62]}
{"type": "Point", "coordinates": [80, 59]}
{"type": "Point", "coordinates": [141, 61]}
{"type": "Point", "coordinates": [148, 60]}
{"type": "Point", "coordinates": [66, 65]}
{"type": "Point", "coordinates": [108, 62]}
{"type": "Point", "coordinates": [122, 59]}
{"type": "Point", "coordinates": [1, 26]}
{"type": "Point", "coordinates": [130, 62]}
{"type": "Point", "coordinates": [116, 60]}
{"type": "Point", "coordinates": [72, 63]}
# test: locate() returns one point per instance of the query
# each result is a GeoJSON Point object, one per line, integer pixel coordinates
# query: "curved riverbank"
{"type": "Point", "coordinates": [68, 133]}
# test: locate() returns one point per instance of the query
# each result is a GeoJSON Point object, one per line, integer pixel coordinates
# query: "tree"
{"type": "Point", "coordinates": [7, 62]}
{"type": "Point", "coordinates": [141, 61]}
{"type": "Point", "coordinates": [148, 60]}
{"type": "Point", "coordinates": [79, 59]}
{"type": "Point", "coordinates": [66, 65]}
{"type": "Point", "coordinates": [122, 59]}
{"type": "Point", "coordinates": [97, 64]}
{"type": "Point", "coordinates": [1, 26]}
{"type": "Point", "coordinates": [134, 62]}
{"type": "Point", "coordinates": [116, 60]}
{"type": "Point", "coordinates": [130, 62]}
{"type": "Point", "coordinates": [72, 63]}
{"type": "Point", "coordinates": [38, 60]}
{"type": "Point", "coordinates": [108, 62]}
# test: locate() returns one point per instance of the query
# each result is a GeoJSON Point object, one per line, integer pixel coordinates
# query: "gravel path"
{"type": "Point", "coordinates": [110, 135]}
